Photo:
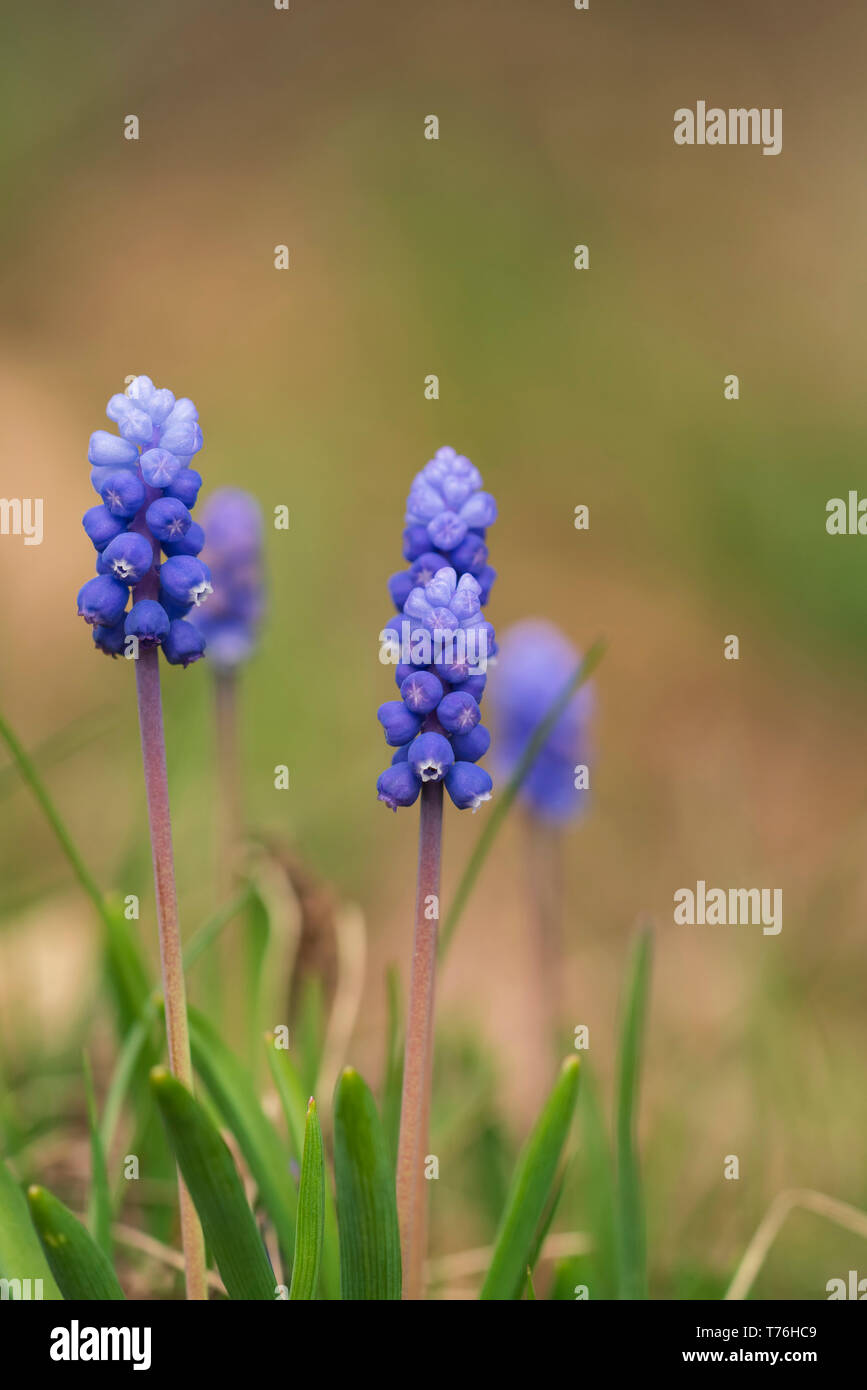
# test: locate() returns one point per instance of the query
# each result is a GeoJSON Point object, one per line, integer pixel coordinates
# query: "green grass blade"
{"type": "Point", "coordinates": [311, 1212]}
{"type": "Point", "coordinates": [128, 974]}
{"type": "Point", "coordinates": [595, 1200]}
{"type": "Point", "coordinates": [502, 802]}
{"type": "Point", "coordinates": [632, 1257]}
{"type": "Point", "coordinates": [393, 1084]}
{"type": "Point", "coordinates": [531, 1189]}
{"type": "Point", "coordinates": [137, 1046]}
{"type": "Point", "coordinates": [530, 1286]}
{"type": "Point", "coordinates": [257, 939]}
{"type": "Point", "coordinates": [66, 742]}
{"type": "Point", "coordinates": [231, 1088]}
{"type": "Point", "coordinates": [126, 970]}
{"type": "Point", "coordinates": [210, 1174]}
{"type": "Point", "coordinates": [290, 1089]}
{"type": "Point", "coordinates": [81, 1269]}
{"type": "Point", "coordinates": [201, 941]}
{"type": "Point", "coordinates": [21, 1255]}
{"type": "Point", "coordinates": [366, 1204]}
{"type": "Point", "coordinates": [309, 1031]}
{"type": "Point", "coordinates": [28, 771]}
{"type": "Point", "coordinates": [329, 1273]}
{"type": "Point", "coordinates": [99, 1206]}
{"type": "Point", "coordinates": [138, 1051]}
{"type": "Point", "coordinates": [291, 1092]}
{"type": "Point", "coordinates": [547, 1221]}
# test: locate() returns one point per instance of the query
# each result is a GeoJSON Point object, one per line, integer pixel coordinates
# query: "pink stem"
{"type": "Point", "coordinates": [153, 746]}
{"type": "Point", "coordinates": [418, 1059]}
{"type": "Point", "coordinates": [229, 774]}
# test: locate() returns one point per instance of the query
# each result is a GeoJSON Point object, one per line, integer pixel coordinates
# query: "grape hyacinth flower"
{"type": "Point", "coordinates": [229, 623]}
{"type": "Point", "coordinates": [143, 476]}
{"type": "Point", "coordinates": [147, 487]}
{"type": "Point", "coordinates": [446, 640]}
{"type": "Point", "coordinates": [232, 520]}
{"type": "Point", "coordinates": [439, 641]}
{"type": "Point", "coordinates": [534, 665]}
{"type": "Point", "coordinates": [447, 516]}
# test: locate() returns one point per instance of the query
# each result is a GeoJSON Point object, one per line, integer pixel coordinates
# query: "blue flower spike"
{"type": "Point", "coordinates": [148, 489]}
{"type": "Point", "coordinates": [440, 638]}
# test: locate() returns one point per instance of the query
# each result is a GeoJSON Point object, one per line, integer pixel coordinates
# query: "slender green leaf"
{"type": "Point", "coordinates": [309, 1030]}
{"type": "Point", "coordinates": [530, 1286]}
{"type": "Point", "coordinates": [547, 1220]}
{"type": "Point", "coordinates": [503, 801]}
{"type": "Point", "coordinates": [210, 1174]}
{"type": "Point", "coordinates": [81, 1269]}
{"type": "Point", "coordinates": [66, 741]}
{"type": "Point", "coordinates": [27, 769]}
{"type": "Point", "coordinates": [129, 1059]}
{"type": "Point", "coordinates": [531, 1189]}
{"type": "Point", "coordinates": [291, 1093]}
{"type": "Point", "coordinates": [21, 1255]}
{"type": "Point", "coordinates": [138, 1048]}
{"type": "Point", "coordinates": [630, 1212]}
{"type": "Point", "coordinates": [257, 937]}
{"type": "Point", "coordinates": [311, 1212]}
{"type": "Point", "coordinates": [232, 1091]}
{"type": "Point", "coordinates": [202, 940]}
{"type": "Point", "coordinates": [569, 1275]}
{"type": "Point", "coordinates": [366, 1205]}
{"type": "Point", "coordinates": [139, 1053]}
{"type": "Point", "coordinates": [99, 1206]}
{"type": "Point", "coordinates": [128, 973]}
{"type": "Point", "coordinates": [393, 1084]}
{"type": "Point", "coordinates": [329, 1273]}
{"type": "Point", "coordinates": [290, 1089]}
{"type": "Point", "coordinates": [595, 1185]}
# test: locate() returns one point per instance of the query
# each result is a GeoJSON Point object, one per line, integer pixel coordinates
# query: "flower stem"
{"type": "Point", "coordinates": [545, 871]}
{"type": "Point", "coordinates": [229, 774]}
{"type": "Point", "coordinates": [504, 799]}
{"type": "Point", "coordinates": [224, 964]}
{"type": "Point", "coordinates": [418, 1058]}
{"type": "Point", "coordinates": [156, 785]}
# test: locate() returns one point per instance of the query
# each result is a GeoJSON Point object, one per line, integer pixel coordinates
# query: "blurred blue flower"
{"type": "Point", "coordinates": [534, 665]}
{"type": "Point", "coordinates": [232, 521]}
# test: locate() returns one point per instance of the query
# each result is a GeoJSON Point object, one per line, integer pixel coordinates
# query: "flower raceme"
{"type": "Point", "coordinates": [447, 516]}
{"type": "Point", "coordinates": [147, 489]}
{"type": "Point", "coordinates": [534, 666]}
{"type": "Point", "coordinates": [440, 640]}
{"type": "Point", "coordinates": [230, 621]}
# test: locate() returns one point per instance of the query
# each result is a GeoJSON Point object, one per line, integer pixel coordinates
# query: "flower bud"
{"type": "Point", "coordinates": [102, 600]}
{"type": "Point", "coordinates": [148, 621]}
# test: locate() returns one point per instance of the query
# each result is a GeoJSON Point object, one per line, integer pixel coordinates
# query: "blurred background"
{"type": "Point", "coordinates": [605, 387]}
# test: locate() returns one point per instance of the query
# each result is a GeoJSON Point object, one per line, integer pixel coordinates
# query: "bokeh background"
{"type": "Point", "coordinates": [603, 387]}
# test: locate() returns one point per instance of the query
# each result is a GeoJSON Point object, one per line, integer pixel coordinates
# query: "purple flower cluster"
{"type": "Point", "coordinates": [534, 667]}
{"type": "Point", "coordinates": [440, 639]}
{"type": "Point", "coordinates": [230, 621]}
{"type": "Point", "coordinates": [148, 490]}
